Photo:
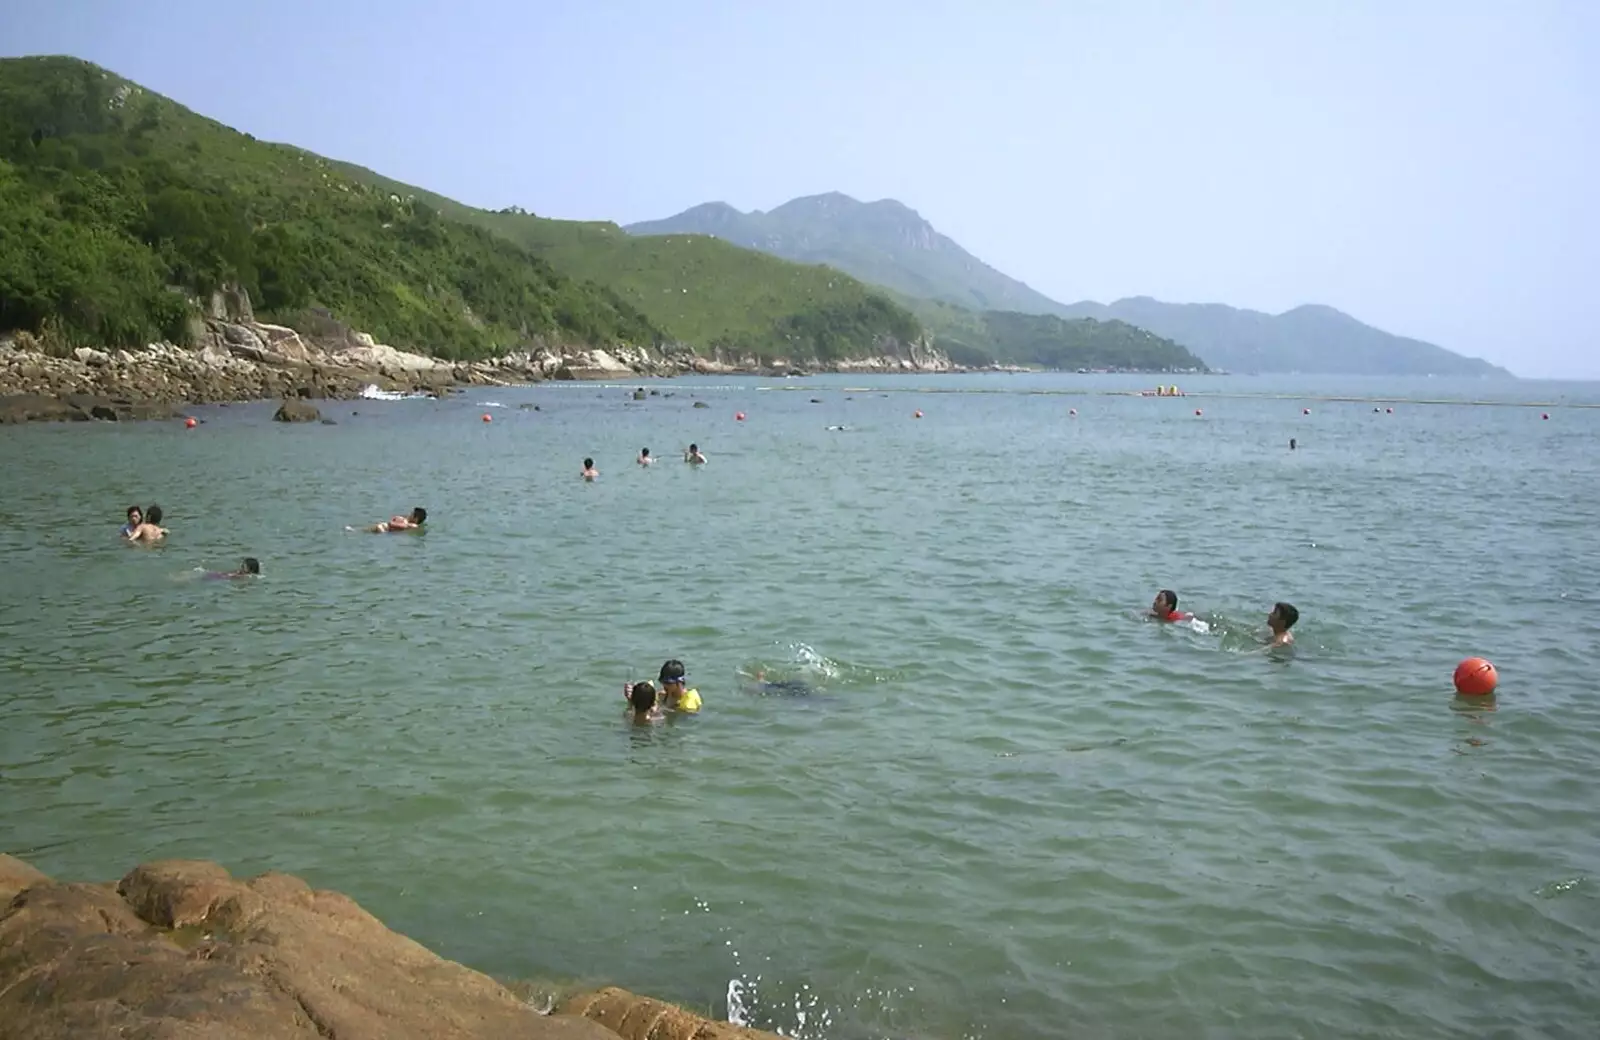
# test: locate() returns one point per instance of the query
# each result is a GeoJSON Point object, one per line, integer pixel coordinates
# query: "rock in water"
{"type": "Point", "coordinates": [292, 410]}
{"type": "Point", "coordinates": [180, 949]}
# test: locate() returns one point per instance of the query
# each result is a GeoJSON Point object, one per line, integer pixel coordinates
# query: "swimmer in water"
{"type": "Point", "coordinates": [1292, 444]}
{"type": "Point", "coordinates": [1282, 618]}
{"type": "Point", "coordinates": [589, 472]}
{"type": "Point", "coordinates": [250, 567]}
{"type": "Point", "coordinates": [693, 456]}
{"type": "Point", "coordinates": [396, 524]}
{"type": "Point", "coordinates": [150, 531]}
{"type": "Point", "coordinates": [674, 688]}
{"type": "Point", "coordinates": [135, 518]}
{"type": "Point", "coordinates": [1165, 607]}
{"type": "Point", "coordinates": [644, 457]}
{"type": "Point", "coordinates": [642, 704]}
{"type": "Point", "coordinates": [781, 687]}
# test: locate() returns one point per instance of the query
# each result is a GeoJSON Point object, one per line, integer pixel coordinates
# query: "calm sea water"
{"type": "Point", "coordinates": [1011, 808]}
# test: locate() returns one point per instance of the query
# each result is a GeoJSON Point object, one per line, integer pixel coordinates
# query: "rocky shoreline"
{"type": "Point", "coordinates": [246, 360]}
{"type": "Point", "coordinates": [180, 949]}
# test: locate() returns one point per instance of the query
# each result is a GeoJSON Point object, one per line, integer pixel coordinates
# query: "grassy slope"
{"type": "Point", "coordinates": [700, 290]}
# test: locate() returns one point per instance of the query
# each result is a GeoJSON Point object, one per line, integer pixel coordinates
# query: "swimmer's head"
{"type": "Point", "coordinates": [1166, 602]}
{"type": "Point", "coordinates": [419, 515]}
{"type": "Point", "coordinates": [644, 453]}
{"type": "Point", "coordinates": [135, 515]}
{"type": "Point", "coordinates": [588, 464]}
{"type": "Point", "coordinates": [672, 677]}
{"type": "Point", "coordinates": [694, 448]}
{"type": "Point", "coordinates": [642, 696]}
{"type": "Point", "coordinates": [252, 565]}
{"type": "Point", "coordinates": [1283, 617]}
{"type": "Point", "coordinates": [153, 515]}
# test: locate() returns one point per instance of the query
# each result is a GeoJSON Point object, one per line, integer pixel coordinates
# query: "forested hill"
{"type": "Point", "coordinates": [119, 206]}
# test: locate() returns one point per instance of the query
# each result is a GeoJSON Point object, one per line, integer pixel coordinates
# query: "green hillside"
{"type": "Point", "coordinates": [112, 197]}
{"type": "Point", "coordinates": [701, 291]}
{"type": "Point", "coordinates": [1046, 341]}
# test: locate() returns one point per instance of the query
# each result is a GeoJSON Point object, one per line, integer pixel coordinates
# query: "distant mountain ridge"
{"type": "Point", "coordinates": [1310, 339]}
{"type": "Point", "coordinates": [884, 242]}
{"type": "Point", "coordinates": [889, 244]}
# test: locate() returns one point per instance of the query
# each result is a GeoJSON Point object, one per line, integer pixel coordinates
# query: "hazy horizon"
{"type": "Point", "coordinates": [1422, 168]}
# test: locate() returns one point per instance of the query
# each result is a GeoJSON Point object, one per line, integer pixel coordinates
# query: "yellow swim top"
{"type": "Point", "coordinates": [690, 701]}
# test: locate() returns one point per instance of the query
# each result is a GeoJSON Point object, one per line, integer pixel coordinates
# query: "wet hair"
{"type": "Point", "coordinates": [588, 464]}
{"type": "Point", "coordinates": [694, 447]}
{"type": "Point", "coordinates": [672, 671]}
{"type": "Point", "coordinates": [153, 515]}
{"type": "Point", "coordinates": [645, 452]}
{"type": "Point", "coordinates": [419, 515]}
{"type": "Point", "coordinates": [1171, 598]}
{"type": "Point", "coordinates": [642, 696]}
{"type": "Point", "coordinates": [1286, 613]}
{"type": "Point", "coordinates": [135, 509]}
{"type": "Point", "coordinates": [252, 565]}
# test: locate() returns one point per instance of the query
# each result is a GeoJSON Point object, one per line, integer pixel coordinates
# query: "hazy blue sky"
{"type": "Point", "coordinates": [1426, 166]}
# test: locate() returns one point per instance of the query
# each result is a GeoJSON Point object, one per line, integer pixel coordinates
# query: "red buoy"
{"type": "Point", "coordinates": [1476, 677]}
{"type": "Point", "coordinates": [1072, 411]}
{"type": "Point", "coordinates": [739, 416]}
{"type": "Point", "coordinates": [1198, 412]}
{"type": "Point", "coordinates": [487, 417]}
{"type": "Point", "coordinates": [189, 423]}
{"type": "Point", "coordinates": [1546, 415]}
{"type": "Point", "coordinates": [1305, 411]}
{"type": "Point", "coordinates": [917, 414]}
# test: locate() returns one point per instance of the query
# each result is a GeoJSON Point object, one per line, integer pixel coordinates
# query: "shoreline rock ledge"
{"type": "Point", "coordinates": [180, 950]}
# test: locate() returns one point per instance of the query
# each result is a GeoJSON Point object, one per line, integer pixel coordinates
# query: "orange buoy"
{"type": "Point", "coordinates": [917, 414]}
{"type": "Point", "coordinates": [487, 417]}
{"type": "Point", "coordinates": [1476, 677]}
{"type": "Point", "coordinates": [189, 423]}
{"type": "Point", "coordinates": [739, 416]}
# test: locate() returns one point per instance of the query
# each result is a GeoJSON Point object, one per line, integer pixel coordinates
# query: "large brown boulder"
{"type": "Point", "coordinates": [294, 410]}
{"type": "Point", "coordinates": [180, 950]}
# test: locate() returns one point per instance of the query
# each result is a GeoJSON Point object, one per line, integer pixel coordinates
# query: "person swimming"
{"type": "Point", "coordinates": [781, 687]}
{"type": "Point", "coordinates": [1280, 620]}
{"type": "Point", "coordinates": [135, 518]}
{"type": "Point", "coordinates": [674, 687]}
{"type": "Point", "coordinates": [693, 456]}
{"type": "Point", "coordinates": [396, 524]}
{"type": "Point", "coordinates": [644, 457]}
{"type": "Point", "coordinates": [643, 705]}
{"type": "Point", "coordinates": [1165, 607]}
{"type": "Point", "coordinates": [250, 567]}
{"type": "Point", "coordinates": [589, 472]}
{"type": "Point", "coordinates": [150, 531]}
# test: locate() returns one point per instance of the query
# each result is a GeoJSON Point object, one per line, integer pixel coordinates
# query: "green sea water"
{"type": "Point", "coordinates": [1009, 807]}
